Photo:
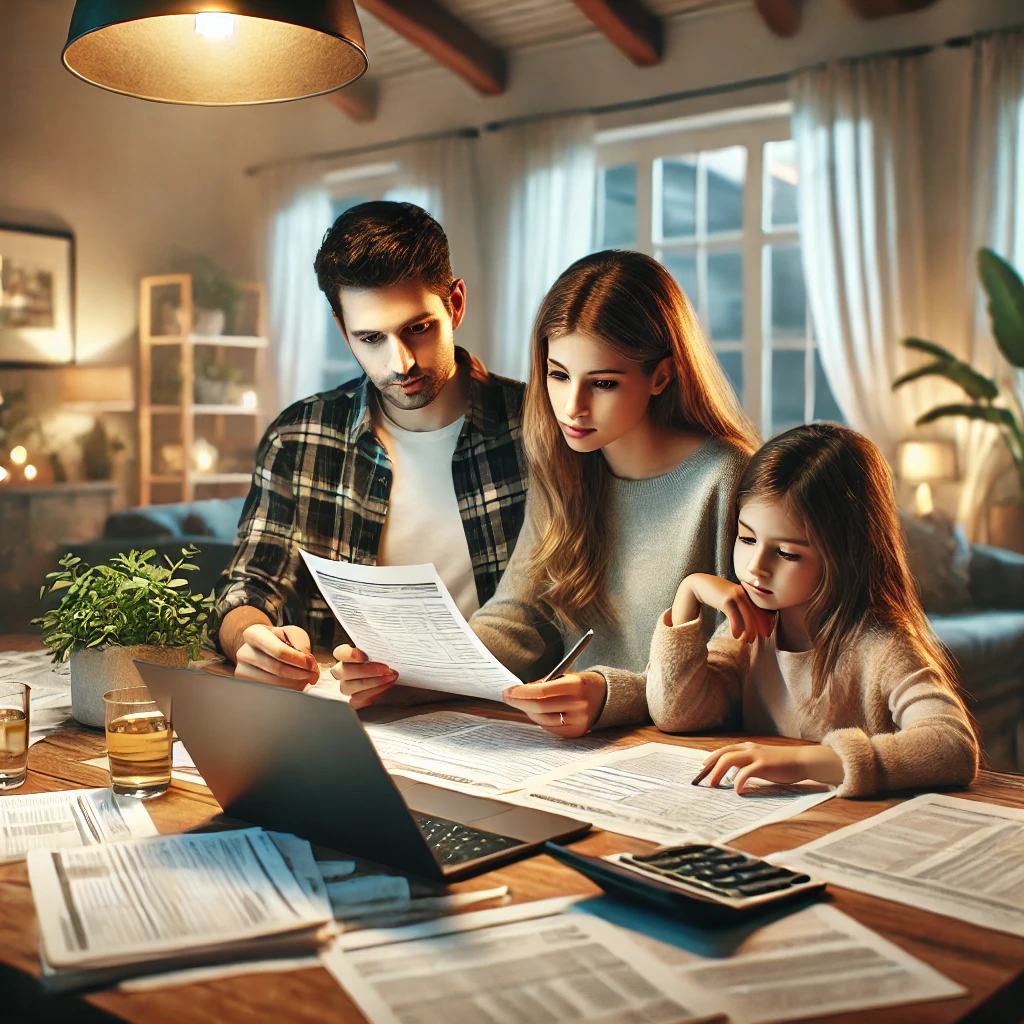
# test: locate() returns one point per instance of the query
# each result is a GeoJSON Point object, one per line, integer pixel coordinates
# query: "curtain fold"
{"type": "Point", "coordinates": [862, 235]}
{"type": "Point", "coordinates": [539, 219]}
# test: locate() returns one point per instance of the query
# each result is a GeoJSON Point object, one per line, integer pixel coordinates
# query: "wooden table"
{"type": "Point", "coordinates": [989, 964]}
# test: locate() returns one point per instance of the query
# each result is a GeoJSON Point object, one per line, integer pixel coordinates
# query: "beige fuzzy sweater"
{"type": "Point", "coordinates": [884, 712]}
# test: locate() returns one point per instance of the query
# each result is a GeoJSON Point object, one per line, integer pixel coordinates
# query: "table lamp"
{"type": "Point", "coordinates": [96, 389]}
{"type": "Point", "coordinates": [923, 463]}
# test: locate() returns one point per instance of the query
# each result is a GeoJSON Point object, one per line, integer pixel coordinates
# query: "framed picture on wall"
{"type": "Point", "coordinates": [37, 296]}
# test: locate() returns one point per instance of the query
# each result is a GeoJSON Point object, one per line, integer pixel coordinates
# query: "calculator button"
{"type": "Point", "coordinates": [759, 888]}
{"type": "Point", "coordinates": [762, 873]}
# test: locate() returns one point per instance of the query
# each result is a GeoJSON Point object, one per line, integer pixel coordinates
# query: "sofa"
{"type": "Point", "coordinates": [973, 594]}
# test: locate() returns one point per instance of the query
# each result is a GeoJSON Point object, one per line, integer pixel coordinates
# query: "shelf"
{"type": "Point", "coordinates": [205, 410]}
{"type": "Point", "coordinates": [227, 340]}
{"type": "Point", "coordinates": [220, 478]}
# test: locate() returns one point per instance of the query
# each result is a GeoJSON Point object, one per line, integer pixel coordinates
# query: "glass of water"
{"type": "Point", "coordinates": [14, 722]}
{"type": "Point", "coordinates": [138, 743]}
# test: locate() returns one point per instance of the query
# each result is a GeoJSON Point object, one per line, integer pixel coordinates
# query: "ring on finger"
{"type": "Point", "coordinates": [561, 718]}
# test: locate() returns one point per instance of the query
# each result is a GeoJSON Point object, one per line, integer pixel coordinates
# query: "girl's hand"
{"type": "Point", "coordinates": [567, 706]}
{"type": "Point", "coordinates": [746, 620]}
{"type": "Point", "coordinates": [362, 681]}
{"type": "Point", "coordinates": [775, 764]}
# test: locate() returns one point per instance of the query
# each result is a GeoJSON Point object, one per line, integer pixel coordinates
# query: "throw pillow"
{"type": "Point", "coordinates": [940, 559]}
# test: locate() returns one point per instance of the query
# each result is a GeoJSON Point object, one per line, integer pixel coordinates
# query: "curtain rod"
{"type": "Point", "coordinates": [469, 132]}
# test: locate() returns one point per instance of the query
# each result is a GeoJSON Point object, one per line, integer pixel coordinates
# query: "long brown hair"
{"type": "Point", "coordinates": [836, 482]}
{"type": "Point", "coordinates": [631, 303]}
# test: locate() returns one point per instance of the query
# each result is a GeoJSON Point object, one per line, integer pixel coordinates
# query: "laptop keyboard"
{"type": "Point", "coordinates": [455, 843]}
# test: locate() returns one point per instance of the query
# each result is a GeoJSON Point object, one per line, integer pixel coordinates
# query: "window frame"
{"type": "Point", "coordinates": [757, 345]}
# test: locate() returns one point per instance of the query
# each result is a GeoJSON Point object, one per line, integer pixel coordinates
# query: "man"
{"type": "Point", "coordinates": [419, 460]}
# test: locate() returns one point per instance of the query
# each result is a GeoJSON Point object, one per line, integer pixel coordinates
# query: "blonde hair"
{"type": "Point", "coordinates": [632, 304]}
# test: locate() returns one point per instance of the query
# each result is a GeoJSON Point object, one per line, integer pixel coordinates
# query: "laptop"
{"type": "Point", "coordinates": [292, 762]}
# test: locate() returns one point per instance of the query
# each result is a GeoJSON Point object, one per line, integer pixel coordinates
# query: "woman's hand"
{"type": "Point", "coordinates": [567, 706]}
{"type": "Point", "coordinates": [775, 764]}
{"type": "Point", "coordinates": [362, 681]}
{"type": "Point", "coordinates": [746, 620]}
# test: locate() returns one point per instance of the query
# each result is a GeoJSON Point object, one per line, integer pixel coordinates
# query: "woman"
{"type": "Point", "coordinates": [636, 447]}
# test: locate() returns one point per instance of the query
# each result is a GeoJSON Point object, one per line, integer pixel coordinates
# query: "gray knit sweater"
{"type": "Point", "coordinates": [662, 529]}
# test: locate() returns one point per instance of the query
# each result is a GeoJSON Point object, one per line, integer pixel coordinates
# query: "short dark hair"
{"type": "Point", "coordinates": [374, 245]}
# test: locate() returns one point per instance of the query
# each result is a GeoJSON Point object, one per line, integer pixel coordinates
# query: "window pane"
{"type": "Point", "coordinates": [678, 197]}
{"type": "Point", "coordinates": [725, 295]}
{"type": "Point", "coordinates": [726, 171]}
{"type": "Point", "coordinates": [683, 267]}
{"type": "Point", "coordinates": [618, 214]}
{"type": "Point", "coordinates": [788, 297]}
{"type": "Point", "coordinates": [781, 178]}
{"type": "Point", "coordinates": [825, 405]}
{"type": "Point", "coordinates": [732, 363]}
{"type": "Point", "coordinates": [787, 389]}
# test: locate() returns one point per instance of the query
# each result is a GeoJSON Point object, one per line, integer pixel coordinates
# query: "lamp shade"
{"type": "Point", "coordinates": [226, 53]}
{"type": "Point", "coordinates": [927, 461]}
{"type": "Point", "coordinates": [98, 388]}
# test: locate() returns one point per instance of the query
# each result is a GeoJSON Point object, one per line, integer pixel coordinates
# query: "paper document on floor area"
{"type": "Point", "coordinates": [960, 858]}
{"type": "Point", "coordinates": [50, 684]}
{"type": "Point", "coordinates": [811, 963]}
{"type": "Point", "coordinates": [74, 817]}
{"type": "Point", "coordinates": [645, 792]}
{"type": "Point", "coordinates": [474, 754]}
{"type": "Point", "coordinates": [404, 616]}
{"type": "Point", "coordinates": [550, 969]}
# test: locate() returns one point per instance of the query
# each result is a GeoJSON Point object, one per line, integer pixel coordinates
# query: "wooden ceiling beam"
{"type": "Point", "coordinates": [358, 101]}
{"type": "Point", "coordinates": [887, 8]}
{"type": "Point", "coordinates": [427, 25]}
{"type": "Point", "coordinates": [630, 26]}
{"type": "Point", "coordinates": [781, 16]}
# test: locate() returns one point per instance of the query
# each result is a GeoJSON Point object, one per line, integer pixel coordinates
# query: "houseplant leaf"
{"type": "Point", "coordinates": [976, 385]}
{"type": "Point", "coordinates": [920, 345]}
{"type": "Point", "coordinates": [991, 413]}
{"type": "Point", "coordinates": [1005, 292]}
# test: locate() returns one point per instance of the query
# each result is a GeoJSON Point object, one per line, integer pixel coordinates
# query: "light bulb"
{"type": "Point", "coordinates": [248, 399]}
{"type": "Point", "coordinates": [18, 455]}
{"type": "Point", "coordinates": [215, 25]}
{"type": "Point", "coordinates": [30, 472]}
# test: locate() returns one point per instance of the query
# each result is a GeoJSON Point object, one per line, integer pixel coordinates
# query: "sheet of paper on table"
{"type": "Point", "coordinates": [645, 791]}
{"type": "Point", "coordinates": [404, 616]}
{"type": "Point", "coordinates": [51, 688]}
{"type": "Point", "coordinates": [74, 817]}
{"type": "Point", "coordinates": [960, 858]}
{"type": "Point", "coordinates": [476, 754]}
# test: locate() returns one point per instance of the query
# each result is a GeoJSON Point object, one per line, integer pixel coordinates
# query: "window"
{"type": "Point", "coordinates": [717, 206]}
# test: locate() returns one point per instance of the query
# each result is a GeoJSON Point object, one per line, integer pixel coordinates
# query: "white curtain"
{"type": "Point", "coordinates": [858, 142]}
{"type": "Point", "coordinates": [440, 175]}
{"type": "Point", "coordinates": [996, 182]}
{"type": "Point", "coordinates": [539, 219]}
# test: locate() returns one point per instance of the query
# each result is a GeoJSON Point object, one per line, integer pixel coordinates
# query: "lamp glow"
{"type": "Point", "coordinates": [31, 472]}
{"type": "Point", "coordinates": [215, 25]}
{"type": "Point", "coordinates": [3, 474]}
{"type": "Point", "coordinates": [18, 455]}
{"type": "Point", "coordinates": [248, 399]}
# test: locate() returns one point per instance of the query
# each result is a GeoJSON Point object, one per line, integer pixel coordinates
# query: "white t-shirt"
{"type": "Point", "coordinates": [423, 522]}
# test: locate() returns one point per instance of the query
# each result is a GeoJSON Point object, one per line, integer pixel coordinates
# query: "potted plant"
{"type": "Point", "coordinates": [109, 614]}
{"type": "Point", "coordinates": [215, 293]}
{"type": "Point", "coordinates": [214, 382]}
{"type": "Point", "coordinates": [988, 401]}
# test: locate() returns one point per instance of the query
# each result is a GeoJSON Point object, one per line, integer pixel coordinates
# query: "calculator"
{"type": "Point", "coordinates": [700, 883]}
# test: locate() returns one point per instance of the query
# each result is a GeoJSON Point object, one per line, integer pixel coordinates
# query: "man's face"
{"type": "Point", "coordinates": [403, 338]}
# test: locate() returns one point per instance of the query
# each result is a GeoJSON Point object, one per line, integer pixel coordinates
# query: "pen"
{"type": "Point", "coordinates": [702, 774]}
{"type": "Point", "coordinates": [287, 640]}
{"type": "Point", "coordinates": [576, 651]}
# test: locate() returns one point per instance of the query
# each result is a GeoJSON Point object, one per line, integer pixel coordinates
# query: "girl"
{"type": "Point", "coordinates": [825, 638]}
{"type": "Point", "coordinates": [635, 448]}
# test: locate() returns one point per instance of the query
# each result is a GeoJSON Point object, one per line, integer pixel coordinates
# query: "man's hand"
{"type": "Point", "coordinates": [267, 656]}
{"type": "Point", "coordinates": [567, 706]}
{"type": "Point", "coordinates": [362, 681]}
{"type": "Point", "coordinates": [775, 764]}
{"type": "Point", "coordinates": [746, 620]}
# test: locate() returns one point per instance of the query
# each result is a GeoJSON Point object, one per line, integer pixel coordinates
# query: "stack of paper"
{"type": "Point", "coordinates": [114, 910]}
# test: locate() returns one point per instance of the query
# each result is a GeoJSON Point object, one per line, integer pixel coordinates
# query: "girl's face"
{"type": "Point", "coordinates": [597, 395]}
{"type": "Point", "coordinates": [773, 558]}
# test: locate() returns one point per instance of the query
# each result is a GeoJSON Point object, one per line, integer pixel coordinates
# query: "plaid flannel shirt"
{"type": "Point", "coordinates": [322, 483]}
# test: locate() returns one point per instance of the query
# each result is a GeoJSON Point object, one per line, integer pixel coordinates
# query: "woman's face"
{"type": "Point", "coordinates": [597, 395]}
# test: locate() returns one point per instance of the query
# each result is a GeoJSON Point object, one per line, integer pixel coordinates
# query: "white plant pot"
{"type": "Point", "coordinates": [208, 322]}
{"type": "Point", "coordinates": [211, 392]}
{"type": "Point", "coordinates": [95, 672]}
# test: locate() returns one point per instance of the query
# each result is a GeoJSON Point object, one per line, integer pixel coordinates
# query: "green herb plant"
{"type": "Point", "coordinates": [212, 286]}
{"type": "Point", "coordinates": [132, 600]}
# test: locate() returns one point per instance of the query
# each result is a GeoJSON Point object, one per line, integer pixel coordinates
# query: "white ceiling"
{"type": "Point", "coordinates": [506, 24]}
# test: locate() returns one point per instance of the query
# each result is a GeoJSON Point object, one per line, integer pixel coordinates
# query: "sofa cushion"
{"type": "Point", "coordinates": [940, 561]}
{"type": "Point", "coordinates": [213, 517]}
{"type": "Point", "coordinates": [989, 646]}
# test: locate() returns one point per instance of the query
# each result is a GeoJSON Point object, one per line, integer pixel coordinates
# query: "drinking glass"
{"type": "Point", "coordinates": [138, 743]}
{"type": "Point", "coordinates": [14, 722]}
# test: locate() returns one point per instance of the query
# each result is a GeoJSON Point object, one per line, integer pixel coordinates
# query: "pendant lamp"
{"type": "Point", "coordinates": [225, 53]}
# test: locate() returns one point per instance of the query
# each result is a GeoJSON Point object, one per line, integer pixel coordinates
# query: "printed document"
{"type": "Point", "coordinates": [404, 616]}
{"type": "Point", "coordinates": [645, 791]}
{"type": "Point", "coordinates": [153, 900]}
{"type": "Point", "coordinates": [960, 858]}
{"type": "Point", "coordinates": [550, 969]}
{"type": "Point", "coordinates": [474, 754]}
{"type": "Point", "coordinates": [75, 817]}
